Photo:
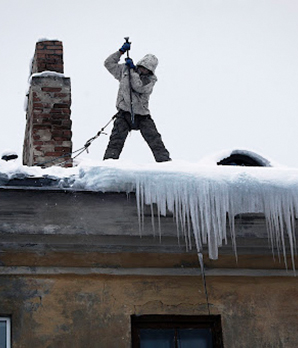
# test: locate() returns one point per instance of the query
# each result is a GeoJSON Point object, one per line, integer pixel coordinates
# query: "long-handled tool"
{"type": "Point", "coordinates": [130, 90]}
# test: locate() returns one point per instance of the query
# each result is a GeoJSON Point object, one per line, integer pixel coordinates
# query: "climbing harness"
{"type": "Point", "coordinates": [79, 151]}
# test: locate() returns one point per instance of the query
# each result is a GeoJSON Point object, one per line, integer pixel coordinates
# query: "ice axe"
{"type": "Point", "coordinates": [130, 91]}
{"type": "Point", "coordinates": [127, 41]}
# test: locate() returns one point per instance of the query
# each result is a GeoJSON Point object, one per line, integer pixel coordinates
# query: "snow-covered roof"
{"type": "Point", "coordinates": [200, 196]}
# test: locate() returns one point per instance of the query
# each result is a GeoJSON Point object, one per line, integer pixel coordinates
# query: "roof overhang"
{"type": "Point", "coordinates": [67, 228]}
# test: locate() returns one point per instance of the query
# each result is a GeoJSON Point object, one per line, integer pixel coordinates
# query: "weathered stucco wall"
{"type": "Point", "coordinates": [94, 311]}
{"type": "Point", "coordinates": [71, 274]}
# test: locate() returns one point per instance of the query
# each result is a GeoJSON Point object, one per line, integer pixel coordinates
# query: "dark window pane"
{"type": "Point", "coordinates": [195, 338]}
{"type": "Point", "coordinates": [152, 338]}
{"type": "Point", "coordinates": [2, 334]}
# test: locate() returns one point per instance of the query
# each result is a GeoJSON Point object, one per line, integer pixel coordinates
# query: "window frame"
{"type": "Point", "coordinates": [212, 322]}
{"type": "Point", "coordinates": [7, 319]}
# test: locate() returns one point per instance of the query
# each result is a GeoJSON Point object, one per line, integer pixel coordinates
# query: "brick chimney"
{"type": "Point", "coordinates": [48, 129]}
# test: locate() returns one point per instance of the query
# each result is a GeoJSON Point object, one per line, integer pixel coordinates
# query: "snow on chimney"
{"type": "Point", "coordinates": [48, 130]}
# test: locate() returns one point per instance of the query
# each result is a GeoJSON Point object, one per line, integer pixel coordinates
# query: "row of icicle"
{"type": "Point", "coordinates": [201, 206]}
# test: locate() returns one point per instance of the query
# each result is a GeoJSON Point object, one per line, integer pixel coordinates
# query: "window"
{"type": "Point", "coordinates": [176, 331]}
{"type": "Point", "coordinates": [5, 332]}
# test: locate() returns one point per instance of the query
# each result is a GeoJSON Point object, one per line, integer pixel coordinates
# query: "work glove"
{"type": "Point", "coordinates": [129, 63]}
{"type": "Point", "coordinates": [125, 47]}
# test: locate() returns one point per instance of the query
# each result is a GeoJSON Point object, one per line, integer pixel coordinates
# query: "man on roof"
{"type": "Point", "coordinates": [136, 84]}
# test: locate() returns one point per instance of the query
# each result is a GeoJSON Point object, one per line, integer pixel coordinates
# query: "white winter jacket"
{"type": "Point", "coordinates": [142, 85]}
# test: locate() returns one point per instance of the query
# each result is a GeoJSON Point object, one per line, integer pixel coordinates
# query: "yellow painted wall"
{"type": "Point", "coordinates": [69, 311]}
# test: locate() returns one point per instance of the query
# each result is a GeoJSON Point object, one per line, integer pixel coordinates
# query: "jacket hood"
{"type": "Point", "coordinates": [149, 62]}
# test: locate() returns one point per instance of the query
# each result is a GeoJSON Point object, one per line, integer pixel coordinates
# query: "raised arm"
{"type": "Point", "coordinates": [112, 62]}
{"type": "Point", "coordinates": [113, 66]}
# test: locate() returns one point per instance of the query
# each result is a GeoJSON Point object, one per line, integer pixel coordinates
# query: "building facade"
{"type": "Point", "coordinates": [75, 272]}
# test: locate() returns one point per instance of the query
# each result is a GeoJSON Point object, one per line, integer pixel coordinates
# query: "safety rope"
{"type": "Point", "coordinates": [79, 151]}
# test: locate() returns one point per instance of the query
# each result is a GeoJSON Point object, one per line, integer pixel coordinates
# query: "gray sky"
{"type": "Point", "coordinates": [227, 77]}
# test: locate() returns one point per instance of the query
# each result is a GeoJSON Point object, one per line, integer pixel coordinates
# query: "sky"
{"type": "Point", "coordinates": [227, 74]}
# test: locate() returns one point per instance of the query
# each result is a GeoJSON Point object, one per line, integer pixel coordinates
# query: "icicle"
{"type": "Point", "coordinates": [200, 205]}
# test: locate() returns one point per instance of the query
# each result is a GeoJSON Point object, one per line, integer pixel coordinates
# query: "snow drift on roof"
{"type": "Point", "coordinates": [200, 197]}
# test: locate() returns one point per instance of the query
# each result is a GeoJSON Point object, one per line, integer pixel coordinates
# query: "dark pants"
{"type": "Point", "coordinates": [123, 125]}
